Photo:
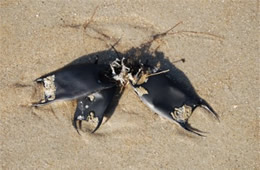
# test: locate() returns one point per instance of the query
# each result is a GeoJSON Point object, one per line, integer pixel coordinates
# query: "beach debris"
{"type": "Point", "coordinates": [73, 82]}
{"type": "Point", "coordinates": [95, 85]}
{"type": "Point", "coordinates": [94, 106]}
{"type": "Point", "coordinates": [168, 98]}
{"type": "Point", "coordinates": [90, 84]}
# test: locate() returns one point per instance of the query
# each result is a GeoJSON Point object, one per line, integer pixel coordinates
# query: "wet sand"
{"type": "Point", "coordinates": [222, 62]}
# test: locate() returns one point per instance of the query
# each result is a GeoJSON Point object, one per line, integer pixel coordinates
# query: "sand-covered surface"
{"type": "Point", "coordinates": [39, 36]}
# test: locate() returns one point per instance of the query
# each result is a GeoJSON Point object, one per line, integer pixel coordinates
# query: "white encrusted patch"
{"type": "Point", "coordinates": [91, 117]}
{"type": "Point", "coordinates": [182, 113]}
{"type": "Point", "coordinates": [91, 97]}
{"type": "Point", "coordinates": [49, 87]}
{"type": "Point", "coordinates": [80, 117]}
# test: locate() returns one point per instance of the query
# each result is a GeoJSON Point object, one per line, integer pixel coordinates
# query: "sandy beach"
{"type": "Point", "coordinates": [218, 39]}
